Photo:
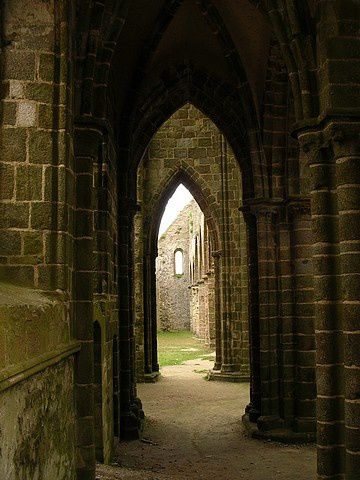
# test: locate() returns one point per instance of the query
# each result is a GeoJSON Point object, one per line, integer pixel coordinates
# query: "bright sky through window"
{"type": "Point", "coordinates": [176, 203]}
{"type": "Point", "coordinates": [179, 262]}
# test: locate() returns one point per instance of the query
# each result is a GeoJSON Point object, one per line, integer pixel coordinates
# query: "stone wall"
{"type": "Point", "coordinates": [173, 299]}
{"type": "Point", "coordinates": [37, 185]}
{"type": "Point", "coordinates": [58, 225]}
{"type": "Point", "coordinates": [37, 411]}
{"type": "Point", "coordinates": [105, 311]}
{"type": "Point", "coordinates": [37, 425]}
{"type": "Point", "coordinates": [202, 280]}
{"type": "Point", "coordinates": [188, 301]}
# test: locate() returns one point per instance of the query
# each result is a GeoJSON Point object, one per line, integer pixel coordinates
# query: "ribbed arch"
{"type": "Point", "coordinates": [223, 105]}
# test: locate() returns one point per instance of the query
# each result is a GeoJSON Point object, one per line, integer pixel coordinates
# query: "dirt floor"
{"type": "Point", "coordinates": [193, 432]}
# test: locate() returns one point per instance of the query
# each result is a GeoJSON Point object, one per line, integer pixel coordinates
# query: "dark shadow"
{"type": "Point", "coordinates": [98, 420]}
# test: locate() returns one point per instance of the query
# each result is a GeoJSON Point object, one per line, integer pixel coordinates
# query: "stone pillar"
{"type": "Point", "coordinates": [154, 345]}
{"type": "Point", "coordinates": [147, 314]}
{"type": "Point", "coordinates": [335, 158]}
{"type": "Point", "coordinates": [254, 408]}
{"type": "Point", "coordinates": [201, 334]}
{"type": "Point", "coordinates": [150, 317]}
{"type": "Point", "coordinates": [281, 323]}
{"type": "Point", "coordinates": [211, 308]}
{"type": "Point", "coordinates": [267, 216]}
{"type": "Point", "coordinates": [139, 305]}
{"type": "Point", "coordinates": [130, 408]}
{"type": "Point", "coordinates": [329, 357]}
{"type": "Point", "coordinates": [346, 146]}
{"type": "Point", "coordinates": [87, 141]}
{"type": "Point", "coordinates": [218, 331]}
{"type": "Point", "coordinates": [299, 319]}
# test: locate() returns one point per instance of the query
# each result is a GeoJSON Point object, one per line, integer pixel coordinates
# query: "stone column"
{"type": "Point", "coordinates": [154, 345]}
{"type": "Point", "coordinates": [130, 409]}
{"type": "Point", "coordinates": [150, 317]}
{"type": "Point", "coordinates": [218, 330]}
{"type": "Point", "coordinates": [201, 334]}
{"type": "Point", "coordinates": [254, 408]}
{"type": "Point", "coordinates": [87, 141]}
{"type": "Point", "coordinates": [328, 306]}
{"type": "Point", "coordinates": [299, 319]}
{"type": "Point", "coordinates": [338, 333]}
{"type": "Point", "coordinates": [267, 218]}
{"type": "Point", "coordinates": [147, 295]}
{"type": "Point", "coordinates": [346, 146]}
{"type": "Point", "coordinates": [211, 308]}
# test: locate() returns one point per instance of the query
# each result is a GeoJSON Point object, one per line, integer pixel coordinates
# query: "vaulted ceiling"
{"type": "Point", "coordinates": [228, 39]}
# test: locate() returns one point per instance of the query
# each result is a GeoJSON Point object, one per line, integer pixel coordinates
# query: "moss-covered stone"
{"type": "Point", "coordinates": [19, 65]}
{"type": "Point", "coordinates": [10, 243]}
{"type": "Point", "coordinates": [7, 181]}
{"type": "Point", "coordinates": [14, 215]}
{"type": "Point", "coordinates": [13, 144]}
{"type": "Point", "coordinates": [33, 243]}
{"type": "Point", "coordinates": [28, 182]}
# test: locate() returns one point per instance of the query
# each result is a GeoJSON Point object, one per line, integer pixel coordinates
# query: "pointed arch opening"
{"type": "Point", "coordinates": [189, 149]}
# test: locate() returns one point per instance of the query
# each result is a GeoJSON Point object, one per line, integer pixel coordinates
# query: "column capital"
{"type": "Point", "coordinates": [298, 205]}
{"type": "Point", "coordinates": [339, 134]}
{"type": "Point", "coordinates": [265, 208]}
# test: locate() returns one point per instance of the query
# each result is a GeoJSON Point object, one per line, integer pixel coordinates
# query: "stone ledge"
{"type": "Point", "coordinates": [281, 435]}
{"type": "Point", "coordinates": [11, 376]}
{"type": "Point", "coordinates": [235, 377]}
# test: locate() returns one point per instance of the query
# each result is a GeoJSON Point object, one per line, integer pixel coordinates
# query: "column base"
{"type": "Point", "coordinates": [85, 474]}
{"type": "Point", "coordinates": [252, 412]}
{"type": "Point", "coordinates": [217, 366]}
{"type": "Point", "coordinates": [152, 377]}
{"type": "Point", "coordinates": [272, 428]}
{"type": "Point", "coordinates": [236, 377]}
{"type": "Point", "coordinates": [132, 422]}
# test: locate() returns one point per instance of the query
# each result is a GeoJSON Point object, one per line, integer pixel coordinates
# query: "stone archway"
{"type": "Point", "coordinates": [211, 191]}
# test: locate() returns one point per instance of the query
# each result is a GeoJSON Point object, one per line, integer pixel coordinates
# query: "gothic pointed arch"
{"type": "Point", "coordinates": [191, 179]}
{"type": "Point", "coordinates": [220, 102]}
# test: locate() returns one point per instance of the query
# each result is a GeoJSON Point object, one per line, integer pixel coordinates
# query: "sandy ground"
{"type": "Point", "coordinates": [193, 432]}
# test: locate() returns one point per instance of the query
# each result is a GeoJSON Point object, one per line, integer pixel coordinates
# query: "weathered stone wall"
{"type": "Point", "coordinates": [202, 280]}
{"type": "Point", "coordinates": [37, 425]}
{"type": "Point", "coordinates": [37, 411]}
{"type": "Point", "coordinates": [37, 178]}
{"type": "Point", "coordinates": [57, 214]}
{"type": "Point", "coordinates": [173, 300]}
{"type": "Point", "coordinates": [36, 233]}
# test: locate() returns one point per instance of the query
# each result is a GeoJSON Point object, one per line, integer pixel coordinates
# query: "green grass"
{"type": "Point", "coordinates": [175, 348]}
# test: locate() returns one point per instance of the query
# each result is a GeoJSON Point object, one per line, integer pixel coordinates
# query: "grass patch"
{"type": "Point", "coordinates": [175, 348]}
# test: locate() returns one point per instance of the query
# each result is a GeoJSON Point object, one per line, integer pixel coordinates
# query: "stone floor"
{"type": "Point", "coordinates": [193, 432]}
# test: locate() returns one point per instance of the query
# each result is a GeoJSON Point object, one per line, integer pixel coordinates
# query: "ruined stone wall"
{"type": "Point", "coordinates": [37, 187]}
{"type": "Point", "coordinates": [202, 279]}
{"type": "Point", "coordinates": [37, 411]}
{"type": "Point", "coordinates": [48, 201]}
{"type": "Point", "coordinates": [173, 302]}
{"type": "Point", "coordinates": [187, 301]}
{"type": "Point", "coordinates": [37, 424]}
